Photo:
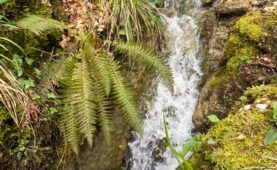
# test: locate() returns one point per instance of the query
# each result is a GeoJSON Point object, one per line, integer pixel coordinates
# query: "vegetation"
{"type": "Point", "coordinates": [244, 128]}
{"type": "Point", "coordinates": [130, 18]}
{"type": "Point", "coordinates": [191, 145]}
{"type": "Point", "coordinates": [242, 46]}
{"type": "Point", "coordinates": [90, 83]}
{"type": "Point", "coordinates": [67, 68]}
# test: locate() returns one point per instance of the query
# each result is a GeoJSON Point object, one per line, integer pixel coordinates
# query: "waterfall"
{"type": "Point", "coordinates": [182, 41]}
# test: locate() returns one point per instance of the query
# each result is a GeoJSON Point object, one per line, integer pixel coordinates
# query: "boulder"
{"type": "Point", "coordinates": [216, 100]}
{"type": "Point", "coordinates": [103, 156]}
{"type": "Point", "coordinates": [232, 7]}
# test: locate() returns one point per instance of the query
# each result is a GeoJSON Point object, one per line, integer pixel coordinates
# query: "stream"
{"type": "Point", "coordinates": [182, 42]}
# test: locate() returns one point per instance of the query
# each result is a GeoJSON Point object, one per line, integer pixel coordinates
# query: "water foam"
{"type": "Point", "coordinates": [182, 39]}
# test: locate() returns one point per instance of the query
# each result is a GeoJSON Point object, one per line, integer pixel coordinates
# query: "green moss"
{"type": "Point", "coordinates": [272, 18]}
{"type": "Point", "coordinates": [241, 47]}
{"type": "Point", "coordinates": [239, 52]}
{"type": "Point", "coordinates": [251, 26]}
{"type": "Point", "coordinates": [237, 141]}
{"type": "Point", "coordinates": [258, 92]}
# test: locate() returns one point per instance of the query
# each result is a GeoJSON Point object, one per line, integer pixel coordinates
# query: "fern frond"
{"type": "Point", "coordinates": [84, 108]}
{"type": "Point", "coordinates": [147, 57]}
{"type": "Point", "coordinates": [101, 76]}
{"type": "Point", "coordinates": [124, 97]}
{"type": "Point", "coordinates": [38, 25]}
{"type": "Point", "coordinates": [97, 65]}
{"type": "Point", "coordinates": [105, 120]}
{"type": "Point", "coordinates": [68, 121]}
{"type": "Point", "coordinates": [79, 110]}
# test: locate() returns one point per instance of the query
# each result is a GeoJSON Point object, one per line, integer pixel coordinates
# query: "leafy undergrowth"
{"type": "Point", "coordinates": [74, 70]}
{"type": "Point", "coordinates": [238, 141]}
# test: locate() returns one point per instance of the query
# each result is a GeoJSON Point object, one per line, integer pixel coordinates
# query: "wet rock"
{"type": "Point", "coordinates": [232, 7]}
{"type": "Point", "coordinates": [103, 156]}
{"type": "Point", "coordinates": [213, 36]}
{"type": "Point", "coordinates": [219, 99]}
{"type": "Point", "coordinates": [207, 2]}
{"type": "Point", "coordinates": [216, 100]}
{"type": "Point", "coordinates": [258, 3]}
{"type": "Point", "coordinates": [244, 60]}
{"type": "Point", "coordinates": [159, 151]}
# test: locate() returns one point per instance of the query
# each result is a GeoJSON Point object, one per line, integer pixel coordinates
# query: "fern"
{"type": "Point", "coordinates": [83, 96]}
{"type": "Point", "coordinates": [124, 97]}
{"type": "Point", "coordinates": [93, 83]}
{"type": "Point", "coordinates": [79, 110]}
{"type": "Point", "coordinates": [104, 119]}
{"type": "Point", "coordinates": [68, 123]}
{"type": "Point", "coordinates": [38, 25]}
{"type": "Point", "coordinates": [147, 57]}
{"type": "Point", "coordinates": [97, 63]}
{"type": "Point", "coordinates": [102, 88]}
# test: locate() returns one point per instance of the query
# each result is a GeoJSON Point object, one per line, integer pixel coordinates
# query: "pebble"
{"type": "Point", "coordinates": [247, 107]}
{"type": "Point", "coordinates": [262, 107]}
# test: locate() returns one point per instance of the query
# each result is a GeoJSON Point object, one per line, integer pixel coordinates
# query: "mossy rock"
{"type": "Point", "coordinates": [251, 26]}
{"type": "Point", "coordinates": [245, 43]}
{"type": "Point", "coordinates": [236, 142]}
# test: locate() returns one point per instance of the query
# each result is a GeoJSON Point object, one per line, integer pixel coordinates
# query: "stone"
{"type": "Point", "coordinates": [232, 7]}
{"type": "Point", "coordinates": [247, 107]}
{"type": "Point", "coordinates": [262, 107]}
{"type": "Point", "coordinates": [103, 156]}
{"type": "Point", "coordinates": [216, 100]}
{"type": "Point", "coordinates": [213, 36]}
{"type": "Point", "coordinates": [207, 2]}
{"type": "Point", "coordinates": [258, 3]}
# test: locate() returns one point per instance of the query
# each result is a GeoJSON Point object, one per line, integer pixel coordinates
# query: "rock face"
{"type": "Point", "coordinates": [213, 36]}
{"type": "Point", "coordinates": [216, 100]}
{"type": "Point", "coordinates": [103, 156]}
{"type": "Point", "coordinates": [232, 7]}
{"type": "Point", "coordinates": [207, 2]}
{"type": "Point", "coordinates": [239, 52]}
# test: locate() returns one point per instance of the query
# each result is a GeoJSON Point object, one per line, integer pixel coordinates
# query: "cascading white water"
{"type": "Point", "coordinates": [182, 39]}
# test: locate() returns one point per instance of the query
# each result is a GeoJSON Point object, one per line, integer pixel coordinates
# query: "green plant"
{"type": "Point", "coordinates": [180, 156]}
{"type": "Point", "coordinates": [131, 17]}
{"type": "Point", "coordinates": [38, 25]}
{"type": "Point", "coordinates": [148, 57]}
{"type": "Point", "coordinates": [92, 83]}
{"type": "Point", "coordinates": [213, 118]}
{"type": "Point", "coordinates": [271, 135]}
{"type": "Point", "coordinates": [13, 97]}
